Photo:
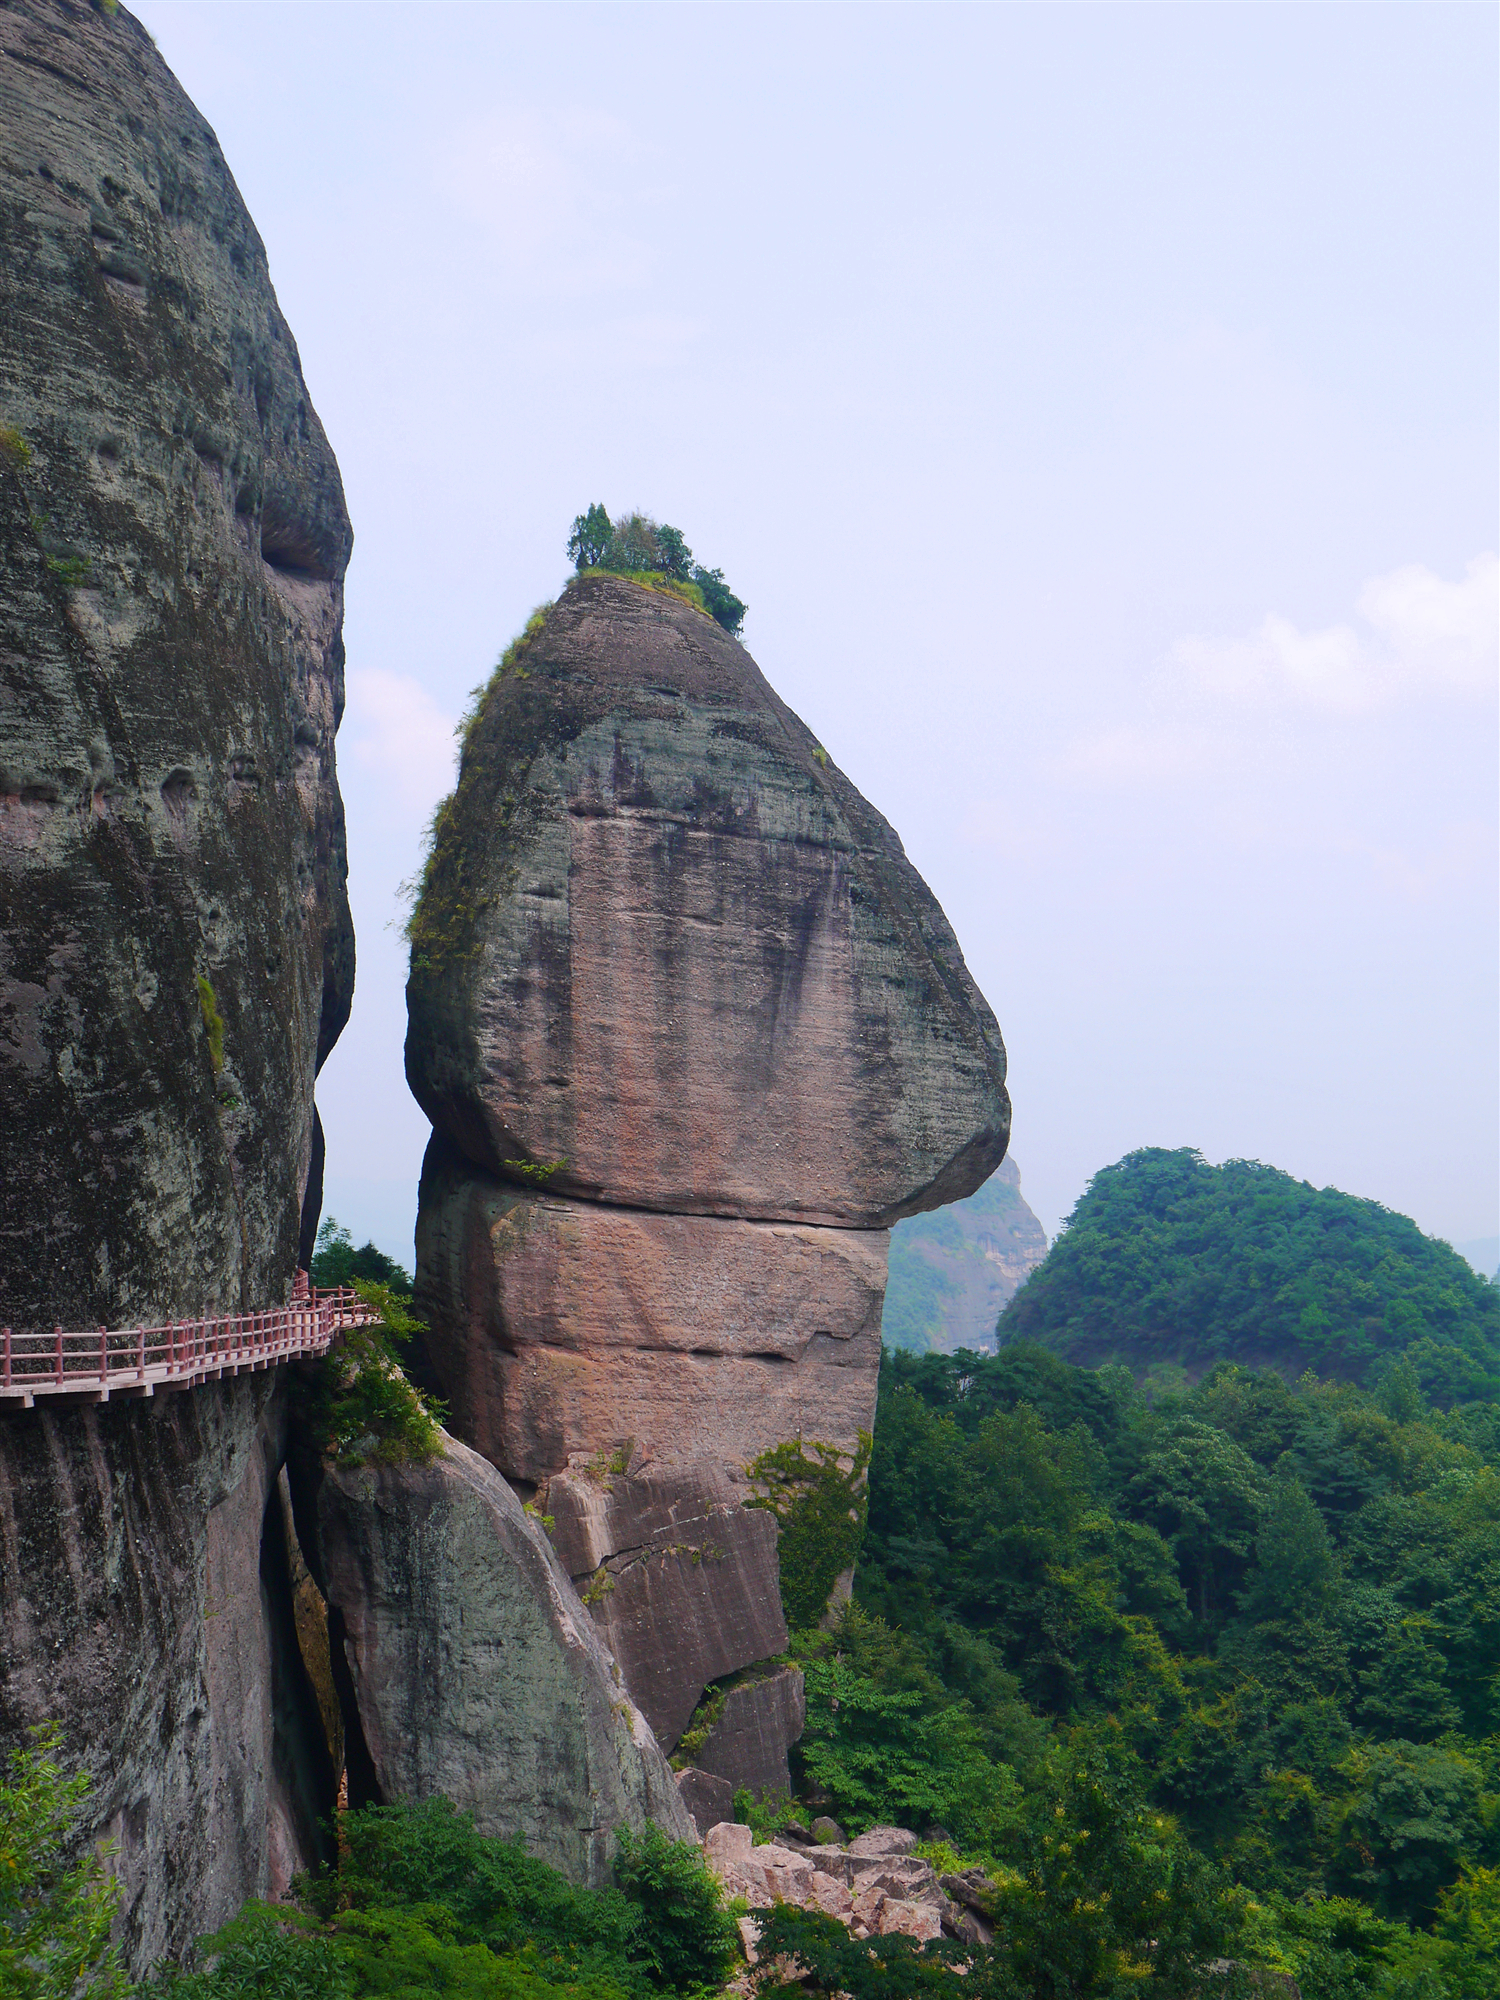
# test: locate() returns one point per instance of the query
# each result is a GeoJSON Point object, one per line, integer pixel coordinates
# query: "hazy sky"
{"type": "Point", "coordinates": [1096, 407]}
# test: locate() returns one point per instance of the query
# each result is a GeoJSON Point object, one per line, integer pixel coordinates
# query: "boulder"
{"type": "Point", "coordinates": [665, 949]}
{"type": "Point", "coordinates": [475, 1672]}
{"type": "Point", "coordinates": [760, 1719]}
{"type": "Point", "coordinates": [562, 1327]}
{"type": "Point", "coordinates": [710, 1800]}
{"type": "Point", "coordinates": [176, 955]}
{"type": "Point", "coordinates": [681, 1578]}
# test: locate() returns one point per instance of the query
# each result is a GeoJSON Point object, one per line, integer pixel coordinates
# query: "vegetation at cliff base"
{"type": "Point", "coordinates": [1169, 1262]}
{"type": "Point", "coordinates": [420, 1903]}
{"type": "Point", "coordinates": [638, 547]}
{"type": "Point", "coordinates": [56, 1905]}
{"type": "Point", "coordinates": [1233, 1646]}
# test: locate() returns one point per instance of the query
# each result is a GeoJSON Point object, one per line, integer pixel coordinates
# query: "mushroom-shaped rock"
{"type": "Point", "coordinates": [666, 956]}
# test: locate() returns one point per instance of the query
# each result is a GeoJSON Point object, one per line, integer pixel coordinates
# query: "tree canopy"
{"type": "Point", "coordinates": [1168, 1260]}
{"type": "Point", "coordinates": [635, 545]}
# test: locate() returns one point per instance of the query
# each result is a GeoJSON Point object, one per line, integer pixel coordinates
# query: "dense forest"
{"type": "Point", "coordinates": [1170, 1265]}
{"type": "Point", "coordinates": [1228, 1653]}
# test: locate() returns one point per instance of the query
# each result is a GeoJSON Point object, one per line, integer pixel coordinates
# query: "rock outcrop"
{"type": "Point", "coordinates": [176, 954]}
{"type": "Point", "coordinates": [953, 1273]}
{"type": "Point", "coordinates": [476, 1672]}
{"type": "Point", "coordinates": [874, 1885]}
{"type": "Point", "coordinates": [142, 1604]}
{"type": "Point", "coordinates": [692, 1033]}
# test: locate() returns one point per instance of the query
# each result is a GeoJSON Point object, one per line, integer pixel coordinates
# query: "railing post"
{"type": "Point", "coordinates": [57, 1335]}
{"type": "Point", "coordinates": [103, 1357]}
{"type": "Point", "coordinates": [7, 1357]}
{"type": "Point", "coordinates": [140, 1352]}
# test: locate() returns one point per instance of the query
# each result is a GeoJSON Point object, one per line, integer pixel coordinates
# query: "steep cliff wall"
{"type": "Point", "coordinates": [953, 1273]}
{"type": "Point", "coordinates": [692, 1032]}
{"type": "Point", "coordinates": [176, 955]}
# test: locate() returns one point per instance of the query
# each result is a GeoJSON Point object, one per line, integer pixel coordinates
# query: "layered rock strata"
{"type": "Point", "coordinates": [692, 1033]}
{"type": "Point", "coordinates": [476, 1673]}
{"type": "Point", "coordinates": [176, 955]}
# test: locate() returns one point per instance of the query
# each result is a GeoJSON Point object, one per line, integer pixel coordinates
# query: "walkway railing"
{"type": "Point", "coordinates": [138, 1361]}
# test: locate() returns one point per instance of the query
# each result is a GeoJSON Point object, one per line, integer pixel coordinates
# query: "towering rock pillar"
{"type": "Point", "coordinates": [692, 1033]}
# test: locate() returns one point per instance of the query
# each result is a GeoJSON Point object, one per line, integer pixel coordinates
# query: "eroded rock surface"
{"type": "Point", "coordinates": [173, 541]}
{"type": "Point", "coordinates": [666, 945]}
{"type": "Point", "coordinates": [476, 1672]}
{"type": "Point", "coordinates": [692, 1033]}
{"type": "Point", "coordinates": [140, 1606]}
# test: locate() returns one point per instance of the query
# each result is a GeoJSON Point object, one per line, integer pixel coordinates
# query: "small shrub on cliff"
{"type": "Point", "coordinates": [359, 1404]}
{"type": "Point", "coordinates": [820, 1507]}
{"type": "Point", "coordinates": [55, 1914]}
{"type": "Point", "coordinates": [649, 551]}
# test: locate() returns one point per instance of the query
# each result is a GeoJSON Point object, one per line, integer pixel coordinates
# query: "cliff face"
{"type": "Point", "coordinates": [692, 1032]}
{"type": "Point", "coordinates": [176, 955]}
{"type": "Point", "coordinates": [141, 1604]}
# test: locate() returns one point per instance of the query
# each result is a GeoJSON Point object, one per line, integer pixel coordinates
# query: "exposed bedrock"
{"type": "Point", "coordinates": [666, 948]}
{"type": "Point", "coordinates": [692, 1033]}
{"type": "Point", "coordinates": [144, 1605]}
{"type": "Point", "coordinates": [476, 1672]}
{"type": "Point", "coordinates": [176, 955]}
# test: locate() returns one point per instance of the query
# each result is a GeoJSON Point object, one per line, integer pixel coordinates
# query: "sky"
{"type": "Point", "coordinates": [1096, 407]}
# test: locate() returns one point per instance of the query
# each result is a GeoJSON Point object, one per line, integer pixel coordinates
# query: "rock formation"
{"type": "Point", "coordinates": [176, 954]}
{"type": "Point", "coordinates": [692, 1033]}
{"type": "Point", "coordinates": [953, 1273]}
{"type": "Point", "coordinates": [476, 1672]}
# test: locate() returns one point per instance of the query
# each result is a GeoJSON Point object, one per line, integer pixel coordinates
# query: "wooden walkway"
{"type": "Point", "coordinates": [93, 1366]}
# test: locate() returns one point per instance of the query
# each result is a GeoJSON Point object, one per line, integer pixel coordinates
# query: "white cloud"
{"type": "Point", "coordinates": [396, 740]}
{"type": "Point", "coordinates": [1414, 635]}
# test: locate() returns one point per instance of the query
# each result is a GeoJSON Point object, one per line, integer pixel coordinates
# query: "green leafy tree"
{"type": "Point", "coordinates": [720, 601]}
{"type": "Point", "coordinates": [686, 1938]}
{"type": "Point", "coordinates": [589, 539]}
{"type": "Point", "coordinates": [55, 1908]}
{"type": "Point", "coordinates": [335, 1261]}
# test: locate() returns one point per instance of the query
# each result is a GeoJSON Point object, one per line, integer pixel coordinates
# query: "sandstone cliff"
{"type": "Point", "coordinates": [176, 955]}
{"type": "Point", "coordinates": [692, 1033]}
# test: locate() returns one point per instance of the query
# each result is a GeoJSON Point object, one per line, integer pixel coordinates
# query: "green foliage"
{"type": "Point", "coordinates": [213, 1022]}
{"type": "Point", "coordinates": [685, 1938]}
{"type": "Point", "coordinates": [589, 539]}
{"type": "Point", "coordinates": [72, 572]}
{"type": "Point", "coordinates": [658, 556]}
{"type": "Point", "coordinates": [538, 1172]}
{"type": "Point", "coordinates": [357, 1401]}
{"type": "Point", "coordinates": [1166, 1258]}
{"type": "Point", "coordinates": [55, 1909]}
{"type": "Point", "coordinates": [335, 1261]}
{"type": "Point", "coordinates": [14, 449]}
{"type": "Point", "coordinates": [420, 1904]}
{"type": "Point", "coordinates": [820, 1507]}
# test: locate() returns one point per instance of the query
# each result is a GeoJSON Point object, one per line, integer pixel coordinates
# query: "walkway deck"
{"type": "Point", "coordinates": [93, 1366]}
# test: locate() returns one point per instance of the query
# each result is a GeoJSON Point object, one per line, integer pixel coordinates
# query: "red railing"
{"type": "Point", "coordinates": [179, 1354]}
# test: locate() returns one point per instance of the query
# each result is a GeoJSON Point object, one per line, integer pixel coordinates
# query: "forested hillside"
{"type": "Point", "coordinates": [1228, 1656]}
{"type": "Point", "coordinates": [1170, 1264]}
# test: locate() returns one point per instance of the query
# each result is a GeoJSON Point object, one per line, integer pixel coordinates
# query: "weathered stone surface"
{"type": "Point", "coordinates": [665, 943]}
{"type": "Point", "coordinates": [475, 1671]}
{"type": "Point", "coordinates": [561, 1327]}
{"type": "Point", "coordinates": [873, 1895]}
{"type": "Point", "coordinates": [173, 541]}
{"type": "Point", "coordinates": [710, 1800]}
{"type": "Point", "coordinates": [670, 1554]}
{"type": "Point", "coordinates": [141, 1605]}
{"type": "Point", "coordinates": [759, 1721]}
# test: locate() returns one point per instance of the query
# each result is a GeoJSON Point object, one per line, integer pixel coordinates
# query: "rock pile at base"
{"type": "Point", "coordinates": [692, 1033]}
{"type": "Point", "coordinates": [875, 1884]}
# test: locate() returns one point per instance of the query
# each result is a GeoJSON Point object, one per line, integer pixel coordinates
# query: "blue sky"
{"type": "Point", "coordinates": [1096, 407]}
